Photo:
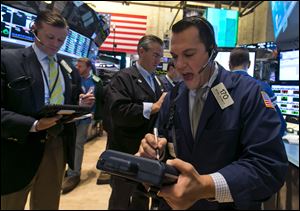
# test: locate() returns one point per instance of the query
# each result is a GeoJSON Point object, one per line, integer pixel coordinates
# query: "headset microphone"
{"type": "Point", "coordinates": [32, 31]}
{"type": "Point", "coordinates": [211, 58]}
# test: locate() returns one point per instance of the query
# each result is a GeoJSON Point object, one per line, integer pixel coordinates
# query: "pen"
{"type": "Point", "coordinates": [155, 131]}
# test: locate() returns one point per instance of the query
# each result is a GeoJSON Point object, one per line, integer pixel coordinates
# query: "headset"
{"type": "Point", "coordinates": [34, 32]}
{"type": "Point", "coordinates": [212, 49]}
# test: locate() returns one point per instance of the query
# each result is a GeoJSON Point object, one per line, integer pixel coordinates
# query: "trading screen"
{"type": "Point", "coordinates": [287, 99]}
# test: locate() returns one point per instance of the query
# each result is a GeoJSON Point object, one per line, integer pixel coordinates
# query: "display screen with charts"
{"type": "Point", "coordinates": [287, 99]}
{"type": "Point", "coordinates": [289, 65]}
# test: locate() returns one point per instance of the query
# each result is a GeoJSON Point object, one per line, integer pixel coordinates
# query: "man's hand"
{"type": "Point", "coordinates": [148, 146]}
{"type": "Point", "coordinates": [189, 188]}
{"type": "Point", "coordinates": [47, 122]}
{"type": "Point", "coordinates": [87, 99]}
{"type": "Point", "coordinates": [156, 106]}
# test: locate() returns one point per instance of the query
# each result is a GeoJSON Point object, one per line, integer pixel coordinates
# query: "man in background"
{"type": "Point", "coordinates": [134, 98]}
{"type": "Point", "coordinates": [239, 63]}
{"type": "Point", "coordinates": [171, 78]}
{"type": "Point", "coordinates": [91, 85]}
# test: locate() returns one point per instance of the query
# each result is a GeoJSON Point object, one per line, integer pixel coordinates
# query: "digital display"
{"type": "Point", "coordinates": [287, 99]}
{"type": "Point", "coordinates": [223, 59]}
{"type": "Point", "coordinates": [15, 28]}
{"type": "Point", "coordinates": [225, 24]}
{"type": "Point", "coordinates": [281, 10]}
{"type": "Point", "coordinates": [15, 25]}
{"type": "Point", "coordinates": [75, 45]}
{"type": "Point", "coordinates": [289, 65]}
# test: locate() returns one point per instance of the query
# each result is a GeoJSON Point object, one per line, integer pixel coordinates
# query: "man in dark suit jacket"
{"type": "Point", "coordinates": [170, 79]}
{"type": "Point", "coordinates": [34, 150]}
{"type": "Point", "coordinates": [134, 97]}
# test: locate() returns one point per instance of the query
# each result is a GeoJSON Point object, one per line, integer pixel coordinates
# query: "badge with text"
{"type": "Point", "coordinates": [96, 78]}
{"type": "Point", "coordinates": [66, 66]}
{"type": "Point", "coordinates": [267, 100]}
{"type": "Point", "coordinates": [222, 95]}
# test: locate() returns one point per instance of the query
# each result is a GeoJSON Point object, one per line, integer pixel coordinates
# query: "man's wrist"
{"type": "Point", "coordinates": [208, 187]}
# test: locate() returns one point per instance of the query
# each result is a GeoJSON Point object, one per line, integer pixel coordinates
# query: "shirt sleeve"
{"type": "Point", "coordinates": [32, 129]}
{"type": "Point", "coordinates": [221, 188]}
{"type": "Point", "coordinates": [147, 109]}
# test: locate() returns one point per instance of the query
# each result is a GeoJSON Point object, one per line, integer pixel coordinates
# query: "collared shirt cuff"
{"type": "Point", "coordinates": [32, 129]}
{"type": "Point", "coordinates": [147, 109]}
{"type": "Point", "coordinates": [221, 188]}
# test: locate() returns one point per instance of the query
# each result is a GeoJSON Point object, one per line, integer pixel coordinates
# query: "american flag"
{"type": "Point", "coordinates": [267, 100]}
{"type": "Point", "coordinates": [125, 32]}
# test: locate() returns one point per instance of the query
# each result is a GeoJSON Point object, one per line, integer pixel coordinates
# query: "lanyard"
{"type": "Point", "coordinates": [47, 81]}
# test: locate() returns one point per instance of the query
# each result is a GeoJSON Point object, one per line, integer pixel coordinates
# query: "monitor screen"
{"type": "Point", "coordinates": [15, 25]}
{"type": "Point", "coordinates": [223, 59]}
{"type": "Point", "coordinates": [281, 11]}
{"type": "Point", "coordinates": [287, 99]}
{"type": "Point", "coordinates": [76, 45]}
{"type": "Point", "coordinates": [225, 23]}
{"type": "Point", "coordinates": [289, 65]}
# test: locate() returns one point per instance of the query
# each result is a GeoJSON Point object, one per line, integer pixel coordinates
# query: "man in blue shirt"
{"type": "Point", "coordinates": [239, 63]}
{"type": "Point", "coordinates": [91, 85]}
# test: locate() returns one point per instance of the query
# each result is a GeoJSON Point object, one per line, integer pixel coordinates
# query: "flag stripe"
{"type": "Point", "coordinates": [125, 32]}
{"type": "Point", "coordinates": [130, 22]}
{"type": "Point", "coordinates": [119, 43]}
{"type": "Point", "coordinates": [110, 40]}
{"type": "Point", "coordinates": [119, 50]}
{"type": "Point", "coordinates": [128, 16]}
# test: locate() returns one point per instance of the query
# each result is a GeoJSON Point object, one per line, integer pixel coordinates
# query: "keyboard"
{"type": "Point", "coordinates": [291, 138]}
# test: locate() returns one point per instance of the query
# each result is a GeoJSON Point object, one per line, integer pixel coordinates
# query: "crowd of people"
{"type": "Point", "coordinates": [218, 128]}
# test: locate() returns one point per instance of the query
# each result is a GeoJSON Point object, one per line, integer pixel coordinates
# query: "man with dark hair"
{"type": "Point", "coordinates": [170, 79]}
{"type": "Point", "coordinates": [239, 63]}
{"type": "Point", "coordinates": [219, 127]}
{"type": "Point", "coordinates": [34, 150]}
{"type": "Point", "coordinates": [92, 86]}
{"type": "Point", "coordinates": [134, 99]}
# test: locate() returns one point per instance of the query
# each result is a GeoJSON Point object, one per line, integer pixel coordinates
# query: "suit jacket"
{"type": "Point", "coordinates": [166, 83]}
{"type": "Point", "coordinates": [21, 150]}
{"type": "Point", "coordinates": [126, 94]}
{"type": "Point", "coordinates": [242, 141]}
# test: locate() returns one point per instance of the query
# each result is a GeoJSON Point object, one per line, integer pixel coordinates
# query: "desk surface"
{"type": "Point", "coordinates": [292, 151]}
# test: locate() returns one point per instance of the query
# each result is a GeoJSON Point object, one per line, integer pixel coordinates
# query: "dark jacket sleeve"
{"type": "Point", "coordinates": [125, 111]}
{"type": "Point", "coordinates": [262, 164]}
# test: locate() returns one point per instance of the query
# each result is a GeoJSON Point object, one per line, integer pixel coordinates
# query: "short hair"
{"type": "Point", "coordinates": [146, 40]}
{"type": "Point", "coordinates": [51, 18]}
{"type": "Point", "coordinates": [239, 56]}
{"type": "Point", "coordinates": [205, 30]}
{"type": "Point", "coordinates": [170, 64]}
{"type": "Point", "coordinates": [87, 61]}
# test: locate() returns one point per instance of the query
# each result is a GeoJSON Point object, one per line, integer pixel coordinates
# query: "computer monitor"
{"type": "Point", "coordinates": [224, 55]}
{"type": "Point", "coordinates": [15, 26]}
{"type": "Point", "coordinates": [287, 99]}
{"type": "Point", "coordinates": [76, 45]}
{"type": "Point", "coordinates": [225, 24]}
{"type": "Point", "coordinates": [289, 65]}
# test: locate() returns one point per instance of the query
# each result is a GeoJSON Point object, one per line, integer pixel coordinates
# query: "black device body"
{"type": "Point", "coordinates": [69, 112]}
{"type": "Point", "coordinates": [139, 169]}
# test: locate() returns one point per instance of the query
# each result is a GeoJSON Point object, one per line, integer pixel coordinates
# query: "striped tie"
{"type": "Point", "coordinates": [55, 86]}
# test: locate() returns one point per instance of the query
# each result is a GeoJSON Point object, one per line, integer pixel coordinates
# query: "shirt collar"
{"type": "Point", "coordinates": [143, 72]}
{"type": "Point", "coordinates": [210, 81]}
{"type": "Point", "coordinates": [40, 54]}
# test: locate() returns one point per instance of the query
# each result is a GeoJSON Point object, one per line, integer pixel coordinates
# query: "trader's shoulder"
{"type": "Point", "coordinates": [12, 53]}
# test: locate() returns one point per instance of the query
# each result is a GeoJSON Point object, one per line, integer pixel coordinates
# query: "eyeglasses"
{"type": "Point", "coordinates": [21, 83]}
